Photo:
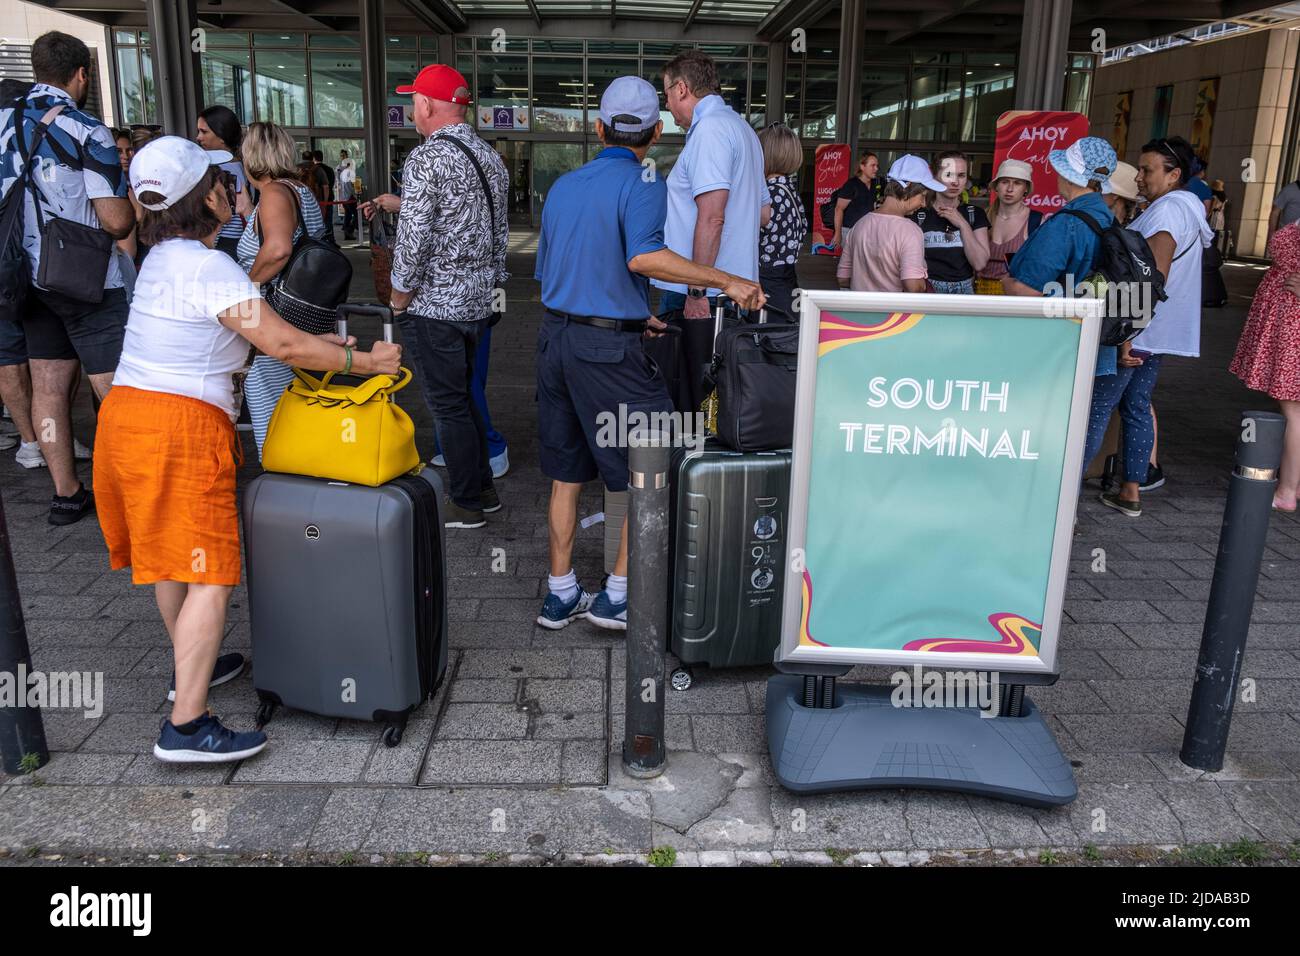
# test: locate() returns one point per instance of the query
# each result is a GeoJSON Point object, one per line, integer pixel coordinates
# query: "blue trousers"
{"type": "Point", "coordinates": [1130, 389]}
{"type": "Point", "coordinates": [478, 391]}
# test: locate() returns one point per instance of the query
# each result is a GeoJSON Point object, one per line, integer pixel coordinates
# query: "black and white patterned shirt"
{"type": "Point", "coordinates": [781, 239]}
{"type": "Point", "coordinates": [447, 250]}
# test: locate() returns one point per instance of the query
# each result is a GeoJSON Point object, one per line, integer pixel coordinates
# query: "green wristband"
{"type": "Point", "coordinates": [348, 367]}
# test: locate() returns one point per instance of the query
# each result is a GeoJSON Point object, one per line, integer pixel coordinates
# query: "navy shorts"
{"type": "Point", "coordinates": [591, 383]}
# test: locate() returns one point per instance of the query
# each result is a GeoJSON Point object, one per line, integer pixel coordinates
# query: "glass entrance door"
{"type": "Point", "coordinates": [550, 162]}
{"type": "Point", "coordinates": [516, 155]}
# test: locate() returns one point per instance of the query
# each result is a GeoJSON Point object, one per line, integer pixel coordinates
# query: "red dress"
{"type": "Point", "coordinates": [1268, 352]}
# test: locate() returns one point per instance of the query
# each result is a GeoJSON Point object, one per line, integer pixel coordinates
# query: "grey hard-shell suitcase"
{"type": "Point", "coordinates": [347, 596]}
{"type": "Point", "coordinates": [728, 541]}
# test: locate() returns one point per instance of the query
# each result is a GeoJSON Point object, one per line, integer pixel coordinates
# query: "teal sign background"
{"type": "Point", "coordinates": [927, 551]}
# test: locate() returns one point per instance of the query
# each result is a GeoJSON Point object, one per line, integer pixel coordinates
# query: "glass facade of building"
{"type": "Point", "coordinates": [537, 99]}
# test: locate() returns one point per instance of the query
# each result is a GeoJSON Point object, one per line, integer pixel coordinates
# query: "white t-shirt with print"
{"type": "Point", "coordinates": [174, 342]}
{"type": "Point", "coordinates": [1176, 326]}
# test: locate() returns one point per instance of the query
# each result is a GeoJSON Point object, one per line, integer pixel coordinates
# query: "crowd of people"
{"type": "Point", "coordinates": [180, 335]}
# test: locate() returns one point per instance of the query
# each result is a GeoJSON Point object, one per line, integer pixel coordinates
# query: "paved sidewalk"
{"type": "Point", "coordinates": [514, 754]}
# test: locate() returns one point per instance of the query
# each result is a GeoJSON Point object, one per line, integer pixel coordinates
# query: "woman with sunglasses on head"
{"type": "Point", "coordinates": [166, 446]}
{"type": "Point", "coordinates": [1177, 232]}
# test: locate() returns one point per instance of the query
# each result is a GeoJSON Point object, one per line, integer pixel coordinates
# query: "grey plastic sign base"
{"type": "Point", "coordinates": [865, 742]}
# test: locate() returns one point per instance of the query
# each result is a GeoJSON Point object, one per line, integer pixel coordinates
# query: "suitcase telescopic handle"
{"type": "Point", "coordinates": [719, 310]}
{"type": "Point", "coordinates": [381, 312]}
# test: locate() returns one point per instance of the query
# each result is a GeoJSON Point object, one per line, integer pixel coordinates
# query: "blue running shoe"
{"type": "Point", "coordinates": [605, 613]}
{"type": "Point", "coordinates": [211, 742]}
{"type": "Point", "coordinates": [557, 613]}
{"type": "Point", "coordinates": [226, 669]}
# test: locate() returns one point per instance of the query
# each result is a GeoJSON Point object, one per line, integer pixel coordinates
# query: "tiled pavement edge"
{"type": "Point", "coordinates": [513, 756]}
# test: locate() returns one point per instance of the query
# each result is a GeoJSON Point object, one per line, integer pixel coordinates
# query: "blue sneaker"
{"type": "Point", "coordinates": [227, 668]}
{"type": "Point", "coordinates": [211, 742]}
{"type": "Point", "coordinates": [557, 613]}
{"type": "Point", "coordinates": [605, 613]}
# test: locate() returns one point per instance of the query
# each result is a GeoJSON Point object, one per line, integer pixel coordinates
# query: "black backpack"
{"type": "Point", "coordinates": [15, 271]}
{"type": "Point", "coordinates": [313, 283]}
{"type": "Point", "coordinates": [1125, 260]}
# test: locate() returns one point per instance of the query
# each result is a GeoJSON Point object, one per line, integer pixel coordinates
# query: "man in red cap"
{"type": "Point", "coordinates": [448, 259]}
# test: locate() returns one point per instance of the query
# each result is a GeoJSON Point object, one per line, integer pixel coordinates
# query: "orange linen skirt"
{"type": "Point", "coordinates": [165, 487]}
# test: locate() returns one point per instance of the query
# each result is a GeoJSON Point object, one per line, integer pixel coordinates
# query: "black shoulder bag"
{"type": "Point", "coordinates": [313, 283]}
{"type": "Point", "coordinates": [74, 257]}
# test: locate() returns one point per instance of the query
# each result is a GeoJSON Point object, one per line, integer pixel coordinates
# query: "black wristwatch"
{"type": "Point", "coordinates": [697, 293]}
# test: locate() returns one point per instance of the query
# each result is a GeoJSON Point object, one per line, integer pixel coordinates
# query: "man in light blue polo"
{"type": "Point", "coordinates": [716, 195]}
{"type": "Point", "coordinates": [602, 235]}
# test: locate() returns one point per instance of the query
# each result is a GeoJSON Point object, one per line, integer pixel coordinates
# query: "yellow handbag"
{"type": "Point", "coordinates": [356, 434]}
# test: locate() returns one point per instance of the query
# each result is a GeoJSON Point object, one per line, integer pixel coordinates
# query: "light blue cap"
{"type": "Point", "coordinates": [629, 105]}
{"type": "Point", "coordinates": [1091, 158]}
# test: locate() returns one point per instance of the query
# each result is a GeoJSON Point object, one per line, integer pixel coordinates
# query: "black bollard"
{"type": "Point", "coordinates": [648, 578]}
{"type": "Point", "coordinates": [22, 732]}
{"type": "Point", "coordinates": [1232, 593]}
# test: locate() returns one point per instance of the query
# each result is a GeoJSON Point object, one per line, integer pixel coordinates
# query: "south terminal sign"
{"type": "Point", "coordinates": [937, 459]}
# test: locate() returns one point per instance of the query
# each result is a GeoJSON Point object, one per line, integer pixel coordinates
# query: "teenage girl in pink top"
{"type": "Point", "coordinates": [1011, 222]}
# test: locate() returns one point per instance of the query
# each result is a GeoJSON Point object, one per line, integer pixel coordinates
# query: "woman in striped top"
{"type": "Point", "coordinates": [218, 128]}
{"type": "Point", "coordinates": [266, 244]}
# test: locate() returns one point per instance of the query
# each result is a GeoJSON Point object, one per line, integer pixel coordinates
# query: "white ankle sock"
{"type": "Point", "coordinates": [616, 588]}
{"type": "Point", "coordinates": [565, 587]}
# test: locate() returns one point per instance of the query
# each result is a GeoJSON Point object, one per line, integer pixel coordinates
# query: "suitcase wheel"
{"type": "Point", "coordinates": [264, 712]}
{"type": "Point", "coordinates": [392, 735]}
{"type": "Point", "coordinates": [681, 679]}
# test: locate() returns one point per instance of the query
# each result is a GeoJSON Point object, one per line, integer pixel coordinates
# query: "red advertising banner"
{"type": "Point", "coordinates": [830, 172]}
{"type": "Point", "coordinates": [1029, 135]}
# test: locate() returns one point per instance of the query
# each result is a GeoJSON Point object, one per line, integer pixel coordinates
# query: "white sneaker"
{"type": "Point", "coordinates": [501, 463]}
{"type": "Point", "coordinates": [29, 455]}
{"type": "Point", "coordinates": [438, 461]}
{"type": "Point", "coordinates": [7, 440]}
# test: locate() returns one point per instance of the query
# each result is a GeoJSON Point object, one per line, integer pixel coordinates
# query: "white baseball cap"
{"type": "Point", "coordinates": [172, 166]}
{"type": "Point", "coordinates": [913, 169]}
{"type": "Point", "coordinates": [629, 105]}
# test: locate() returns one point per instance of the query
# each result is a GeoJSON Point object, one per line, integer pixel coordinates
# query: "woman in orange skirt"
{"type": "Point", "coordinates": [166, 447]}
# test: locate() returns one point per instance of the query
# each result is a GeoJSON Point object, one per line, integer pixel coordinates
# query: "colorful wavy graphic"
{"type": "Point", "coordinates": [1018, 637]}
{"type": "Point", "coordinates": [805, 635]}
{"type": "Point", "coordinates": [835, 331]}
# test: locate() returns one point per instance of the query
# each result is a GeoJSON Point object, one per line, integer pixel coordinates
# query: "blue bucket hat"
{"type": "Point", "coordinates": [1089, 159]}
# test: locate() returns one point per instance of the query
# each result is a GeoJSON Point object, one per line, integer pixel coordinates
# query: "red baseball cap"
{"type": "Point", "coordinates": [440, 82]}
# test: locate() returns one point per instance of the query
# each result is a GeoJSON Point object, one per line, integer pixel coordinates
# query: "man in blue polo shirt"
{"type": "Point", "coordinates": [602, 236]}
